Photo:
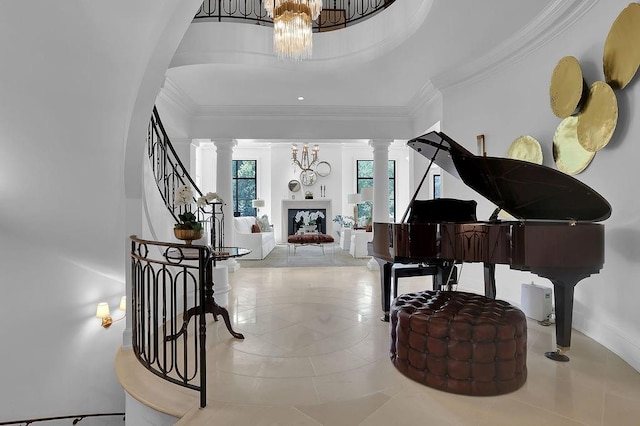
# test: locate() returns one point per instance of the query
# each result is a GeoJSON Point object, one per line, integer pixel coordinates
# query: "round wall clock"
{"type": "Point", "coordinates": [308, 177]}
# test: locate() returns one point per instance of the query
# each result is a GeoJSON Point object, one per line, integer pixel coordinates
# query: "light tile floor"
{"type": "Point", "coordinates": [316, 353]}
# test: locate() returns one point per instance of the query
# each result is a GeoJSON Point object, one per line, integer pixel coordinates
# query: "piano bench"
{"type": "Point", "coordinates": [459, 342]}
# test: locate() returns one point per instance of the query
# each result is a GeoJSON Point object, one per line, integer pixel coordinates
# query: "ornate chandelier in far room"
{"type": "Point", "coordinates": [304, 163]}
{"type": "Point", "coordinates": [292, 26]}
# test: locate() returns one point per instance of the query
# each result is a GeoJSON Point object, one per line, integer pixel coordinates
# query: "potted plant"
{"type": "Point", "coordinates": [188, 228]}
{"type": "Point", "coordinates": [308, 219]}
{"type": "Point", "coordinates": [344, 221]}
{"type": "Point", "coordinates": [369, 224]}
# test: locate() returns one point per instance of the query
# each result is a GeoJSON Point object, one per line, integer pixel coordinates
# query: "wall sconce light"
{"type": "Point", "coordinates": [103, 313]}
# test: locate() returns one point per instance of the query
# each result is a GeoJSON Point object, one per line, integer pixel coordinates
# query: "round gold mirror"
{"type": "Point", "coordinates": [570, 157]}
{"type": "Point", "coordinates": [525, 148]}
{"type": "Point", "coordinates": [294, 185]}
{"type": "Point", "coordinates": [597, 121]}
{"type": "Point", "coordinates": [621, 56]}
{"type": "Point", "coordinates": [568, 90]}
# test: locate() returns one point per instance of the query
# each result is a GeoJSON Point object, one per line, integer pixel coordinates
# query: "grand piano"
{"type": "Point", "coordinates": [553, 233]}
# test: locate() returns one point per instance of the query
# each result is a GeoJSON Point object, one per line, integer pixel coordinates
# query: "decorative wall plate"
{"type": "Point", "coordinates": [568, 89]}
{"type": "Point", "coordinates": [621, 56]}
{"type": "Point", "coordinates": [323, 169]}
{"type": "Point", "coordinates": [597, 121]}
{"type": "Point", "coordinates": [308, 177]}
{"type": "Point", "coordinates": [525, 148]}
{"type": "Point", "coordinates": [570, 157]}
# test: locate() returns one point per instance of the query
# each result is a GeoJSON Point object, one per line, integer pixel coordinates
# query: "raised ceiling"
{"type": "Point", "coordinates": [386, 66]}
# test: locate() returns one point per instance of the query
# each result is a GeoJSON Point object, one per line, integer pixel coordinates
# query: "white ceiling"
{"type": "Point", "coordinates": [378, 64]}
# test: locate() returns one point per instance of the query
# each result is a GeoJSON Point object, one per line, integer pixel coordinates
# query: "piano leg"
{"type": "Point", "coordinates": [563, 297]}
{"type": "Point", "coordinates": [490, 280]}
{"type": "Point", "coordinates": [385, 288]}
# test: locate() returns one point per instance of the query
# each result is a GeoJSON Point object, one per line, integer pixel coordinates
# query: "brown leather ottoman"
{"type": "Point", "coordinates": [310, 238]}
{"type": "Point", "coordinates": [459, 342]}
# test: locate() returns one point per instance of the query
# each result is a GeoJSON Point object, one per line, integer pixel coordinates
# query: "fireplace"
{"type": "Point", "coordinates": [291, 207]}
{"type": "Point", "coordinates": [293, 226]}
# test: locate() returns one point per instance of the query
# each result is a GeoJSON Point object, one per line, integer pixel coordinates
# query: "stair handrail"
{"type": "Point", "coordinates": [337, 13]}
{"type": "Point", "coordinates": [167, 288]}
{"type": "Point", "coordinates": [170, 173]}
{"type": "Point", "coordinates": [77, 418]}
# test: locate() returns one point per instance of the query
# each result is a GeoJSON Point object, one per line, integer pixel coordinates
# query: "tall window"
{"type": "Point", "coordinates": [437, 182]}
{"type": "Point", "coordinates": [244, 187]}
{"type": "Point", "coordinates": [365, 179]}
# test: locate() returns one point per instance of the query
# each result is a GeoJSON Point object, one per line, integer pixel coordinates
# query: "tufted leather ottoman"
{"type": "Point", "coordinates": [310, 238]}
{"type": "Point", "coordinates": [459, 342]}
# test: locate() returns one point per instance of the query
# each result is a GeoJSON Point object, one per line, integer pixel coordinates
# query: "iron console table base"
{"type": "Point", "coordinates": [210, 305]}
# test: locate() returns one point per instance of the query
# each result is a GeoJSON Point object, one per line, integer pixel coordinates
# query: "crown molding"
{"type": "Point", "coordinates": [427, 94]}
{"type": "Point", "coordinates": [320, 112]}
{"type": "Point", "coordinates": [553, 21]}
{"type": "Point", "coordinates": [174, 95]}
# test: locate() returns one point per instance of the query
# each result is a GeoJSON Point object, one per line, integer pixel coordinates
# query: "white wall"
{"type": "Point", "coordinates": [275, 170]}
{"type": "Point", "coordinates": [514, 102]}
{"type": "Point", "coordinates": [71, 75]}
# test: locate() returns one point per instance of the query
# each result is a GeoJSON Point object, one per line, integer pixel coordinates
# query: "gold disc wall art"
{"type": "Point", "coordinates": [597, 121]}
{"type": "Point", "coordinates": [621, 56]}
{"type": "Point", "coordinates": [570, 157]}
{"type": "Point", "coordinates": [525, 148]}
{"type": "Point", "coordinates": [568, 88]}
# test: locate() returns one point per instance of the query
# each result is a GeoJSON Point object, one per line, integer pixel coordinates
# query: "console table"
{"type": "Point", "coordinates": [210, 305]}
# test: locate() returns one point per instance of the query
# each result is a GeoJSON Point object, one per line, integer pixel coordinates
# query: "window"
{"type": "Point", "coordinates": [436, 186]}
{"type": "Point", "coordinates": [365, 179]}
{"type": "Point", "coordinates": [244, 186]}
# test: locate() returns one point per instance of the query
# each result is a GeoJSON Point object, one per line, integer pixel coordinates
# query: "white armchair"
{"type": "Point", "coordinates": [359, 240]}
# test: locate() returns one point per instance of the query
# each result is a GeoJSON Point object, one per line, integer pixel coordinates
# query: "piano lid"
{"type": "Point", "coordinates": [524, 190]}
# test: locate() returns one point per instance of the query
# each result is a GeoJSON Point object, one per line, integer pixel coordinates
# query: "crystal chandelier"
{"type": "Point", "coordinates": [292, 26]}
{"type": "Point", "coordinates": [304, 163]}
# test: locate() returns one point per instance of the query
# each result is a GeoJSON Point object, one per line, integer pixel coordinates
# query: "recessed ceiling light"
{"type": "Point", "coordinates": [301, 98]}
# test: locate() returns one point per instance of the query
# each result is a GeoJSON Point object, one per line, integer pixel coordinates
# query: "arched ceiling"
{"type": "Point", "coordinates": [384, 66]}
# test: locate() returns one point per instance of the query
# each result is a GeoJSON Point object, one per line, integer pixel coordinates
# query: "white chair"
{"type": "Point", "coordinates": [345, 238]}
{"type": "Point", "coordinates": [359, 240]}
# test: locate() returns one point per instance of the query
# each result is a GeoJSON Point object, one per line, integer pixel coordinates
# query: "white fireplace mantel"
{"type": "Point", "coordinates": [318, 203]}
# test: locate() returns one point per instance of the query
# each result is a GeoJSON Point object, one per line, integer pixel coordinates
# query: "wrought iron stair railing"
{"type": "Point", "coordinates": [77, 418]}
{"type": "Point", "coordinates": [336, 14]}
{"type": "Point", "coordinates": [170, 174]}
{"type": "Point", "coordinates": [168, 279]}
{"type": "Point", "coordinates": [168, 287]}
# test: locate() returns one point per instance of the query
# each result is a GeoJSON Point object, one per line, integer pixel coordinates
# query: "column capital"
{"type": "Point", "coordinates": [225, 143]}
{"type": "Point", "coordinates": [202, 143]}
{"type": "Point", "coordinates": [380, 143]}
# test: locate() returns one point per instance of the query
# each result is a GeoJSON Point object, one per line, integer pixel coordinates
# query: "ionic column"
{"type": "Point", "coordinates": [224, 151]}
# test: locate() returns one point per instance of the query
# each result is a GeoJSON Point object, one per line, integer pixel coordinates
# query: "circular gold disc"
{"type": "Point", "coordinates": [598, 118]}
{"type": "Point", "coordinates": [621, 56]}
{"type": "Point", "coordinates": [570, 157]}
{"type": "Point", "coordinates": [567, 87]}
{"type": "Point", "coordinates": [525, 148]}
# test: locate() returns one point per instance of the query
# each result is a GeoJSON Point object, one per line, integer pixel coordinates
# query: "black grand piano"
{"type": "Point", "coordinates": [554, 234]}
